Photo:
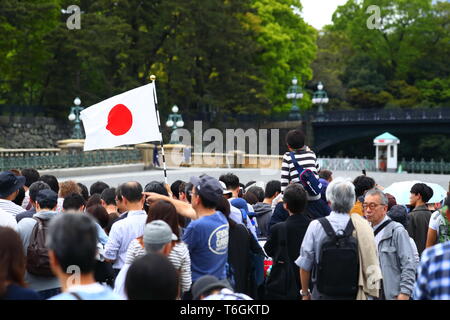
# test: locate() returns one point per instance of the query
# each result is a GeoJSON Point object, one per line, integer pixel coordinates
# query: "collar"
{"type": "Point", "coordinates": [381, 222]}
{"type": "Point", "coordinates": [421, 208]}
{"type": "Point", "coordinates": [46, 214]}
{"type": "Point", "coordinates": [136, 213]}
{"type": "Point", "coordinates": [338, 215]}
{"type": "Point", "coordinates": [88, 288]}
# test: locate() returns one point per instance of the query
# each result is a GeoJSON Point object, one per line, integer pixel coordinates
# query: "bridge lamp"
{"type": "Point", "coordinates": [174, 121]}
{"type": "Point", "coordinates": [294, 93]}
{"type": "Point", "coordinates": [320, 98]}
{"type": "Point", "coordinates": [75, 117]}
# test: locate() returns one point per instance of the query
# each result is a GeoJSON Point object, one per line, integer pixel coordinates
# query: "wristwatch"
{"type": "Point", "coordinates": [303, 294]}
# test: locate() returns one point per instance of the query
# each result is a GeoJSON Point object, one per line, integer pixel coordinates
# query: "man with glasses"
{"type": "Point", "coordinates": [394, 248]}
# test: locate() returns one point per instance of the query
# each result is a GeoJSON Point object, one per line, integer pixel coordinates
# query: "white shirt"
{"type": "Point", "coordinates": [10, 207]}
{"type": "Point", "coordinates": [26, 200]}
{"type": "Point", "coordinates": [122, 233]}
{"type": "Point", "coordinates": [436, 220]}
{"type": "Point", "coordinates": [7, 220]}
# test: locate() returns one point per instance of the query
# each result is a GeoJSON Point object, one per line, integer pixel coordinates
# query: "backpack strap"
{"type": "Point", "coordinates": [349, 228]}
{"type": "Point", "coordinates": [327, 227]}
{"type": "Point", "coordinates": [297, 166]}
{"type": "Point", "coordinates": [76, 295]}
{"type": "Point", "coordinates": [381, 227]}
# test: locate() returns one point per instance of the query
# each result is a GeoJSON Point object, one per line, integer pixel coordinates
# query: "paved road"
{"type": "Point", "coordinates": [246, 175]}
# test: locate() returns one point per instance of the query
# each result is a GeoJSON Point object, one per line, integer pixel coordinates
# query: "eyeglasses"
{"type": "Point", "coordinates": [372, 206]}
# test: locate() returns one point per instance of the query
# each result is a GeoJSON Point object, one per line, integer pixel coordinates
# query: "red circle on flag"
{"type": "Point", "coordinates": [120, 120]}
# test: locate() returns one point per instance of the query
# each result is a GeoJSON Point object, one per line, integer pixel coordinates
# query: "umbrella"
{"type": "Point", "coordinates": [400, 190]}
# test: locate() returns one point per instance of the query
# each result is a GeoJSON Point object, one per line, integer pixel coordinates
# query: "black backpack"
{"type": "Point", "coordinates": [338, 268]}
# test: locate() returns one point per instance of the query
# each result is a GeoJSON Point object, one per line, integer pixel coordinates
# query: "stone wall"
{"type": "Point", "coordinates": [28, 132]}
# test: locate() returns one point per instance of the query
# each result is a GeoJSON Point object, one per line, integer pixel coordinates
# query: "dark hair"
{"type": "Point", "coordinates": [295, 139]}
{"type": "Point", "coordinates": [447, 201]}
{"type": "Point", "coordinates": [31, 175]}
{"type": "Point", "coordinates": [12, 259]}
{"type": "Point", "coordinates": [295, 198]}
{"type": "Point", "coordinates": [20, 196]}
{"type": "Point", "coordinates": [182, 187]}
{"type": "Point", "coordinates": [272, 187]}
{"type": "Point", "coordinates": [224, 207]}
{"type": "Point", "coordinates": [99, 213]}
{"type": "Point", "coordinates": [249, 184]}
{"type": "Point", "coordinates": [208, 204]}
{"type": "Point", "coordinates": [157, 187]}
{"type": "Point", "coordinates": [84, 191]}
{"type": "Point", "coordinates": [36, 187]}
{"type": "Point", "coordinates": [425, 191]}
{"type": "Point", "coordinates": [251, 198]}
{"type": "Point", "coordinates": [231, 181]}
{"type": "Point", "coordinates": [325, 174]}
{"type": "Point", "coordinates": [132, 191]}
{"type": "Point", "coordinates": [164, 210]}
{"type": "Point", "coordinates": [98, 187]}
{"type": "Point", "coordinates": [47, 203]}
{"type": "Point", "coordinates": [51, 181]}
{"type": "Point", "coordinates": [188, 191]}
{"type": "Point", "coordinates": [362, 184]}
{"type": "Point", "coordinates": [73, 238]}
{"type": "Point", "coordinates": [73, 202]}
{"type": "Point", "coordinates": [109, 196]}
{"type": "Point", "coordinates": [175, 188]}
{"type": "Point", "coordinates": [398, 214]}
{"type": "Point", "coordinates": [151, 277]}
{"type": "Point", "coordinates": [94, 200]}
{"type": "Point", "coordinates": [258, 192]}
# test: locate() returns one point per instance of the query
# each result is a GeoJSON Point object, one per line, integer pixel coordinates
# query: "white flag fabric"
{"type": "Point", "coordinates": [128, 118]}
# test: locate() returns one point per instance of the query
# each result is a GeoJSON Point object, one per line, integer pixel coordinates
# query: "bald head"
{"type": "Point", "coordinates": [132, 191]}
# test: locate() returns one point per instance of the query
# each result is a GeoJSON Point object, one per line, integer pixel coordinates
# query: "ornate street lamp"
{"type": "Point", "coordinates": [320, 97]}
{"type": "Point", "coordinates": [174, 121]}
{"type": "Point", "coordinates": [294, 93]}
{"type": "Point", "coordinates": [75, 116]}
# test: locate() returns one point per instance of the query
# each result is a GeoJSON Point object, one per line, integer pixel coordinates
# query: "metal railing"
{"type": "Point", "coordinates": [347, 164]}
{"type": "Point", "coordinates": [55, 159]}
{"type": "Point", "coordinates": [422, 166]}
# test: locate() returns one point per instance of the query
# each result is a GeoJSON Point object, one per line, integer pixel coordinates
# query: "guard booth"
{"type": "Point", "coordinates": [386, 152]}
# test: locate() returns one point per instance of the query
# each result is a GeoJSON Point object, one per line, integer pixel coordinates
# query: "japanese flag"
{"type": "Point", "coordinates": [128, 118]}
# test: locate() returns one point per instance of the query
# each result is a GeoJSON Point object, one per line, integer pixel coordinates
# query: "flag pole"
{"type": "Point", "coordinates": [153, 79]}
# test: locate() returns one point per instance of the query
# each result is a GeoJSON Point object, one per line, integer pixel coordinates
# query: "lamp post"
{"type": "Point", "coordinates": [320, 97]}
{"type": "Point", "coordinates": [75, 116]}
{"type": "Point", "coordinates": [174, 121]}
{"type": "Point", "coordinates": [294, 93]}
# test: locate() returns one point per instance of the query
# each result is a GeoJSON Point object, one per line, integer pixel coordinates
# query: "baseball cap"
{"type": "Point", "coordinates": [206, 283]}
{"type": "Point", "coordinates": [158, 232]}
{"type": "Point", "coordinates": [208, 187]}
{"type": "Point", "coordinates": [46, 194]}
{"type": "Point", "coordinates": [224, 188]}
{"type": "Point", "coordinates": [10, 183]}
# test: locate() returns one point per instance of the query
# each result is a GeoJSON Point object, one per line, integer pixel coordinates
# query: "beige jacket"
{"type": "Point", "coordinates": [369, 265]}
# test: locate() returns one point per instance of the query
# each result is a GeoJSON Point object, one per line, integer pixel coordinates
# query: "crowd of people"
{"type": "Point", "coordinates": [306, 236]}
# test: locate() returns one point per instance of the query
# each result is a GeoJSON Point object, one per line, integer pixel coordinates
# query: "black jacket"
{"type": "Point", "coordinates": [419, 219]}
{"type": "Point", "coordinates": [296, 226]}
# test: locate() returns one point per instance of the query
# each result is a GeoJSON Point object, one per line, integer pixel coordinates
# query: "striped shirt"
{"type": "Point", "coordinates": [433, 276]}
{"type": "Point", "coordinates": [307, 159]}
{"type": "Point", "coordinates": [11, 207]}
{"type": "Point", "coordinates": [179, 257]}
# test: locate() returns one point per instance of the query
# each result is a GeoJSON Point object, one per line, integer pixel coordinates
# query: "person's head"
{"type": "Point", "coordinates": [273, 189]}
{"type": "Point", "coordinates": [31, 175]}
{"type": "Point", "coordinates": [72, 241]}
{"type": "Point", "coordinates": [206, 192]}
{"type": "Point", "coordinates": [295, 199]}
{"type": "Point", "coordinates": [295, 139]}
{"type": "Point", "coordinates": [224, 207]}
{"type": "Point", "coordinates": [129, 196]}
{"type": "Point", "coordinates": [188, 191]}
{"type": "Point", "coordinates": [391, 200]}
{"type": "Point", "coordinates": [158, 237]}
{"type": "Point", "coordinates": [257, 191]}
{"type": "Point", "coordinates": [231, 182]}
{"type": "Point", "coordinates": [68, 187]}
{"type": "Point", "coordinates": [341, 195]}
{"type": "Point", "coordinates": [420, 194]}
{"type": "Point", "coordinates": [250, 198]}
{"type": "Point", "coordinates": [99, 213]}
{"type": "Point", "coordinates": [74, 202]}
{"type": "Point", "coordinates": [51, 181]}
{"type": "Point", "coordinates": [326, 175]}
{"type": "Point", "coordinates": [175, 188]}
{"type": "Point", "coordinates": [98, 187]}
{"type": "Point", "coordinates": [362, 184]}
{"type": "Point", "coordinates": [226, 193]}
{"type": "Point", "coordinates": [46, 200]}
{"type": "Point", "coordinates": [94, 200]}
{"type": "Point", "coordinates": [207, 285]}
{"type": "Point", "coordinates": [10, 185]}
{"type": "Point", "coordinates": [12, 259]}
{"type": "Point", "coordinates": [182, 192]}
{"type": "Point", "coordinates": [398, 214]}
{"type": "Point", "coordinates": [151, 277]}
{"type": "Point", "coordinates": [108, 197]}
{"type": "Point", "coordinates": [375, 206]}
{"type": "Point", "coordinates": [164, 210]}
{"type": "Point", "coordinates": [156, 187]}
{"type": "Point", "coordinates": [35, 188]}
{"type": "Point", "coordinates": [20, 196]}
{"type": "Point", "coordinates": [84, 191]}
